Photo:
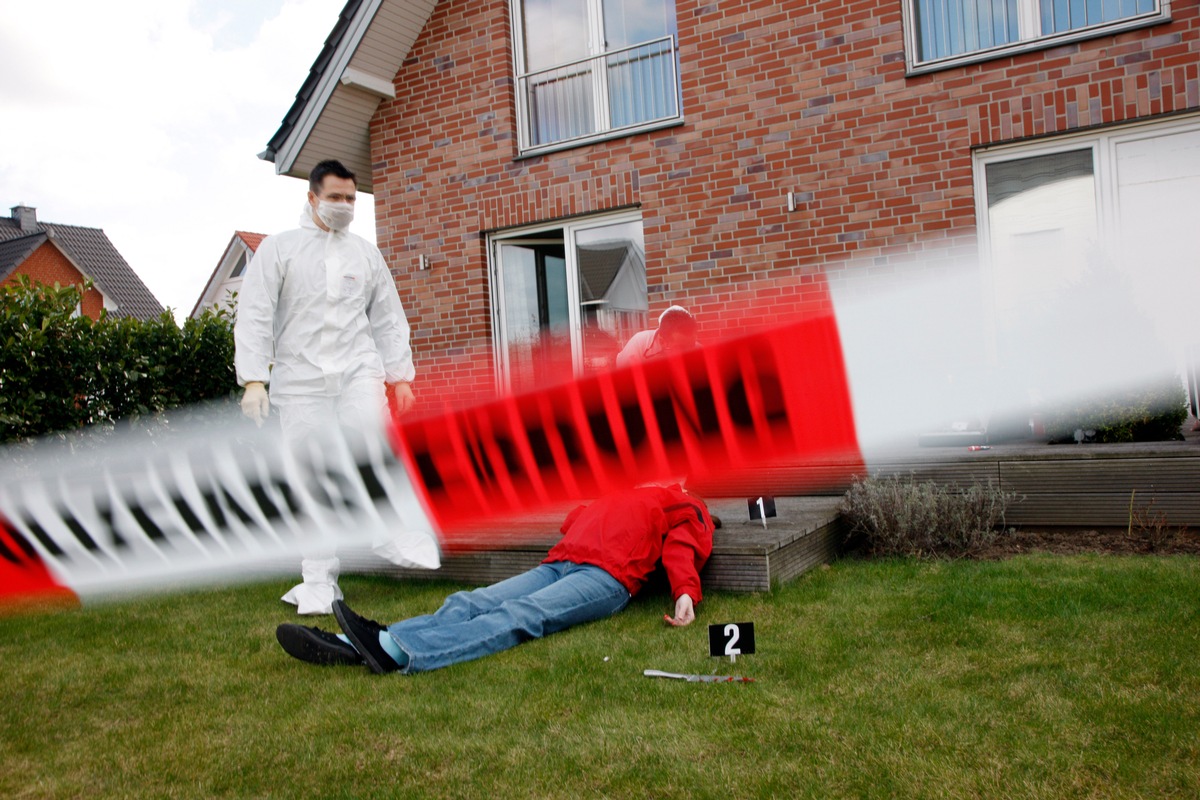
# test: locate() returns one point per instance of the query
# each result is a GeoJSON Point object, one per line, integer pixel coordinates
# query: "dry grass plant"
{"type": "Point", "coordinates": [900, 516]}
{"type": "Point", "coordinates": [1150, 526]}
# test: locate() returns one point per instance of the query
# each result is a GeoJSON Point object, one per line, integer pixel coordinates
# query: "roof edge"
{"type": "Point", "coordinates": [323, 77]}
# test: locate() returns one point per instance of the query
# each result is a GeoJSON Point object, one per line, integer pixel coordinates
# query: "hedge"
{"type": "Point", "coordinates": [1147, 413]}
{"type": "Point", "coordinates": [61, 371]}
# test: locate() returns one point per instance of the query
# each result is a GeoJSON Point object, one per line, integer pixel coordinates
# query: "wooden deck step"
{"type": "Point", "coordinates": [746, 558]}
{"type": "Point", "coordinates": [1076, 485]}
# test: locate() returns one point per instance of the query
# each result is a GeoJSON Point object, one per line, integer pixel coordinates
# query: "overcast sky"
{"type": "Point", "coordinates": [145, 118]}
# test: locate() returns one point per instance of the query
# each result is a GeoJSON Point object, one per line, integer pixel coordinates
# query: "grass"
{"type": "Point", "coordinates": [1039, 677]}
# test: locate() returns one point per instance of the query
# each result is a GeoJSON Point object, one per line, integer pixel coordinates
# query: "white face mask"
{"type": "Point", "coordinates": [336, 216]}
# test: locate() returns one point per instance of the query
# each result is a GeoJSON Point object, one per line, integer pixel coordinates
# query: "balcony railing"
{"type": "Point", "coordinates": [599, 96]}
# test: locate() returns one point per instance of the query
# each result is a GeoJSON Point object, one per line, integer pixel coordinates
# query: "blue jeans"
{"type": "Point", "coordinates": [544, 600]}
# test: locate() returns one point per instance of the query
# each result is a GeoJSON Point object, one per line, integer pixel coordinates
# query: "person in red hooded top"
{"type": "Point", "coordinates": [608, 551]}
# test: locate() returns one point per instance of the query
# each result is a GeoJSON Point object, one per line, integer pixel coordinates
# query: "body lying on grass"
{"type": "Point", "coordinates": [607, 552]}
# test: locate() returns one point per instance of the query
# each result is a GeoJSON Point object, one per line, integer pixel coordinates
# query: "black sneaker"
{"type": "Point", "coordinates": [316, 646]}
{"type": "Point", "coordinates": [364, 633]}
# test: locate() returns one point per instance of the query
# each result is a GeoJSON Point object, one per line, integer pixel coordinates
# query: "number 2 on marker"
{"type": "Point", "coordinates": [731, 630]}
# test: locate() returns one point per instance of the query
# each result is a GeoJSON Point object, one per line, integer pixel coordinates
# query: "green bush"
{"type": "Point", "coordinates": [1150, 413]}
{"type": "Point", "coordinates": [61, 371]}
{"type": "Point", "coordinates": [899, 516]}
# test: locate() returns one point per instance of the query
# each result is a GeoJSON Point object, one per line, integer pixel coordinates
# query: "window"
{"type": "Point", "coordinates": [1095, 236]}
{"type": "Point", "coordinates": [565, 298]}
{"type": "Point", "coordinates": [1042, 222]}
{"type": "Point", "coordinates": [239, 267]}
{"type": "Point", "coordinates": [589, 69]}
{"type": "Point", "coordinates": [944, 33]}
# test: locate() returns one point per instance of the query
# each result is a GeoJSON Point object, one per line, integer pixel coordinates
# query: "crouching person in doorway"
{"type": "Point", "coordinates": [607, 552]}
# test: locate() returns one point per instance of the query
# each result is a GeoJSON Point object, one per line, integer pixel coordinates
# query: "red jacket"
{"type": "Point", "coordinates": [626, 533]}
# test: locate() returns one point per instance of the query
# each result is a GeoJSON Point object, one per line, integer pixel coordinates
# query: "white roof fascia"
{"type": "Point", "coordinates": [330, 80]}
{"type": "Point", "coordinates": [220, 273]}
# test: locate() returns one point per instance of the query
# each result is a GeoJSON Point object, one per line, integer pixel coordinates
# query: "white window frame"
{"type": "Point", "coordinates": [1103, 144]}
{"type": "Point", "coordinates": [575, 320]}
{"type": "Point", "coordinates": [600, 110]}
{"type": "Point", "coordinates": [1029, 32]}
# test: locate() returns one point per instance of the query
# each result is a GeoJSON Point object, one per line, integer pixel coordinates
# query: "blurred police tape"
{"type": "Point", "coordinates": [208, 500]}
{"type": "Point", "coordinates": [212, 499]}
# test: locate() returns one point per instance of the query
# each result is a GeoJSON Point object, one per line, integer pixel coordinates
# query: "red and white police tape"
{"type": "Point", "coordinates": [213, 502]}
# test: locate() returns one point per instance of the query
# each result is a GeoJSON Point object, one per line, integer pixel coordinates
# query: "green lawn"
{"type": "Point", "coordinates": [1035, 677]}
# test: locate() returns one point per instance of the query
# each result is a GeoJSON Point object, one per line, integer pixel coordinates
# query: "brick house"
{"type": "Point", "coordinates": [50, 253]}
{"type": "Point", "coordinates": [226, 279]}
{"type": "Point", "coordinates": [562, 171]}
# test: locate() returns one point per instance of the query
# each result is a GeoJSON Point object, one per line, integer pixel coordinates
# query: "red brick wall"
{"type": "Point", "coordinates": [47, 265]}
{"type": "Point", "coordinates": [777, 96]}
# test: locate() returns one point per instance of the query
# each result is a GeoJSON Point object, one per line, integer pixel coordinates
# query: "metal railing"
{"type": "Point", "coordinates": [600, 94]}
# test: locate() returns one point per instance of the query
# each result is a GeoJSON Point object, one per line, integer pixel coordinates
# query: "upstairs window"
{"type": "Point", "coordinates": [948, 32]}
{"type": "Point", "coordinates": [592, 69]}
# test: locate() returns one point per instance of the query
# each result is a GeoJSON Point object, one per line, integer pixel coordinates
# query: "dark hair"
{"type": "Point", "coordinates": [328, 167]}
{"type": "Point", "coordinates": [677, 321]}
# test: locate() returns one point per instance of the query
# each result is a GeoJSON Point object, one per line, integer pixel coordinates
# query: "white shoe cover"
{"type": "Point", "coordinates": [412, 549]}
{"type": "Point", "coordinates": [319, 589]}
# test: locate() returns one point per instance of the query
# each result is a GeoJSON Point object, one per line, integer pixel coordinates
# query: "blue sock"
{"type": "Point", "coordinates": [392, 649]}
{"type": "Point", "coordinates": [389, 646]}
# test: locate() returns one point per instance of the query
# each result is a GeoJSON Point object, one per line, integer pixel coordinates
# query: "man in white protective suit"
{"type": "Point", "coordinates": [319, 320]}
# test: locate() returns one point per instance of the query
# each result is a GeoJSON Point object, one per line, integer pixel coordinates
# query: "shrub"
{"type": "Point", "coordinates": [1147, 413]}
{"type": "Point", "coordinates": [61, 371]}
{"type": "Point", "coordinates": [899, 516]}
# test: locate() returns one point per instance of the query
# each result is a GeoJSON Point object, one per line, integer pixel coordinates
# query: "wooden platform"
{"type": "Point", "coordinates": [1075, 485]}
{"type": "Point", "coordinates": [746, 557]}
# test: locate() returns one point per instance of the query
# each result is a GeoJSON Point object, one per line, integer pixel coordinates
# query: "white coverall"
{"type": "Point", "coordinates": [319, 320]}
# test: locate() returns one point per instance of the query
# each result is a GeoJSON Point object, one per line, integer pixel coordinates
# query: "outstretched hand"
{"type": "Point", "coordinates": [685, 612]}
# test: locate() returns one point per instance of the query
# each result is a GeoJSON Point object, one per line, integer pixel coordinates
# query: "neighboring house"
{"type": "Point", "coordinates": [511, 144]}
{"type": "Point", "coordinates": [50, 253]}
{"type": "Point", "coordinates": [226, 280]}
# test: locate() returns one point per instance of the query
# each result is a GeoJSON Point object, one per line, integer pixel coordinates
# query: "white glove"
{"type": "Point", "coordinates": [255, 404]}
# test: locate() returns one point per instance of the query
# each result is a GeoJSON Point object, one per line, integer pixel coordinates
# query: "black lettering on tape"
{"type": "Point", "coordinates": [40, 534]}
{"type": "Point", "coordinates": [8, 532]}
{"type": "Point", "coordinates": [375, 489]}
{"type": "Point", "coordinates": [106, 516]}
{"type": "Point", "coordinates": [9, 555]}
{"type": "Point", "coordinates": [78, 530]}
{"type": "Point", "coordinates": [431, 479]}
{"type": "Point", "coordinates": [19, 539]}
{"type": "Point", "coordinates": [289, 497]}
{"type": "Point", "coordinates": [189, 516]}
{"type": "Point", "coordinates": [346, 493]}
{"type": "Point", "coordinates": [147, 524]}
{"type": "Point", "coordinates": [214, 508]}
{"type": "Point", "coordinates": [238, 511]}
{"type": "Point", "coordinates": [265, 504]}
